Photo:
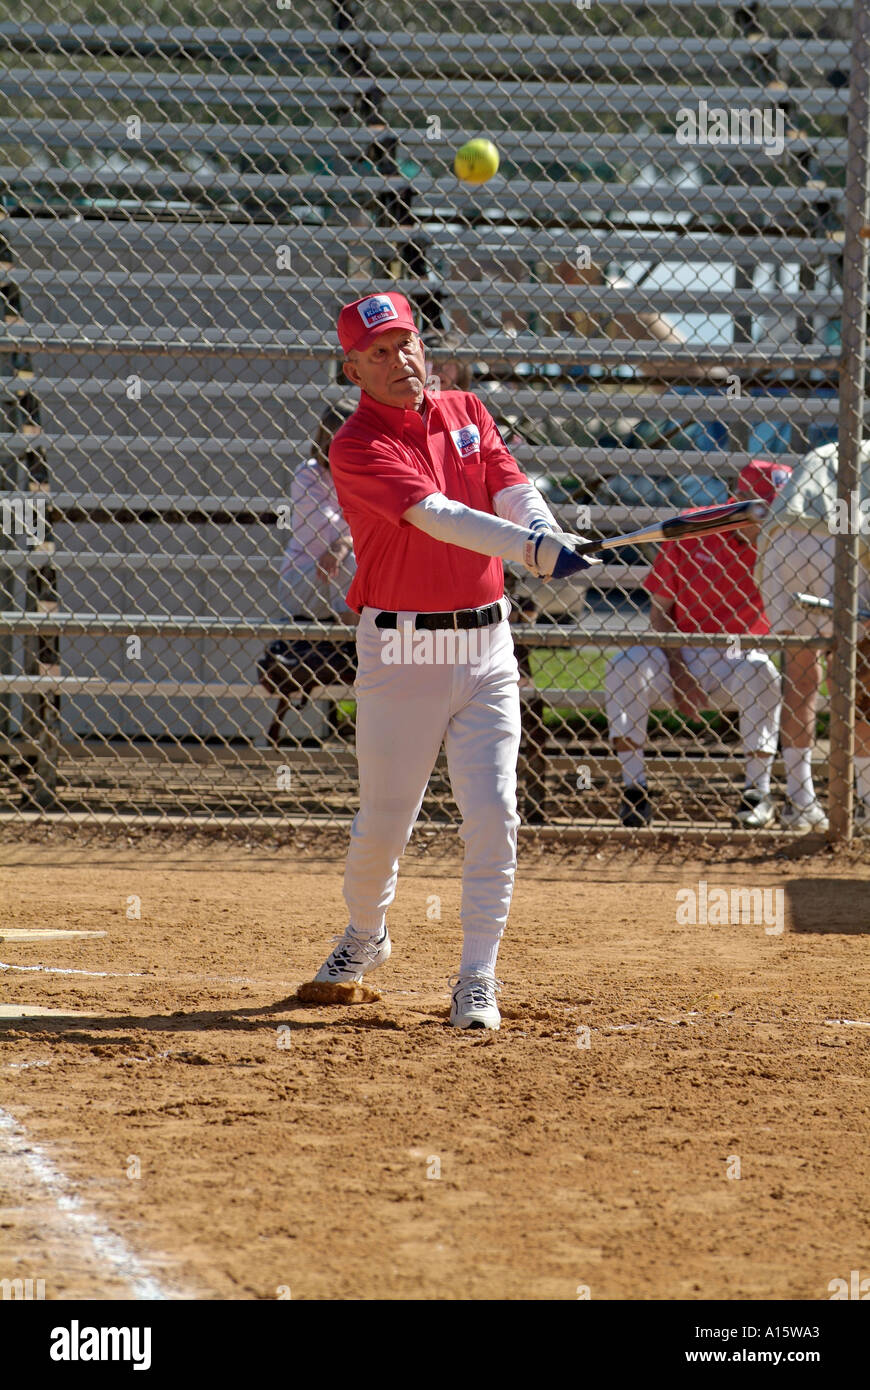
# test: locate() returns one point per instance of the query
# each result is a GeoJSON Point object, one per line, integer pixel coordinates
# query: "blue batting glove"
{"type": "Point", "coordinates": [569, 562]}
{"type": "Point", "coordinates": [551, 554]}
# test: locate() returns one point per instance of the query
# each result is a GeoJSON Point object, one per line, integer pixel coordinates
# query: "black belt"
{"type": "Point", "coordinates": [461, 618]}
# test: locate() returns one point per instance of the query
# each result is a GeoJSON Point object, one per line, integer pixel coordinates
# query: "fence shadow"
{"type": "Point", "coordinates": [828, 906]}
{"type": "Point", "coordinates": [84, 1028]}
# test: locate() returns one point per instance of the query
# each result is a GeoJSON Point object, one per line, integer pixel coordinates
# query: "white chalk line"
{"type": "Point", "coordinates": [58, 970]}
{"type": "Point", "coordinates": [108, 1249]}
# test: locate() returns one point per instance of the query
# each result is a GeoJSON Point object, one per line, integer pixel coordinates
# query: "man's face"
{"type": "Point", "coordinates": [391, 370]}
{"type": "Point", "coordinates": [448, 374]}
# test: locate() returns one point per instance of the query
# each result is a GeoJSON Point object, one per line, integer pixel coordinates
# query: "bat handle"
{"type": "Point", "coordinates": [588, 547]}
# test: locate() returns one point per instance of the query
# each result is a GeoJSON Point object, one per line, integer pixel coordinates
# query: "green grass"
{"type": "Point", "coordinates": [553, 668]}
{"type": "Point", "coordinates": [558, 668]}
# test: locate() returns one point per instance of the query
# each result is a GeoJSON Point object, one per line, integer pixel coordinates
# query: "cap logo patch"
{"type": "Point", "coordinates": [779, 477]}
{"type": "Point", "coordinates": [377, 309]}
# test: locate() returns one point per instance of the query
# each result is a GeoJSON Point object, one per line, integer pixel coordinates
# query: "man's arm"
{"type": "Point", "coordinates": [689, 698]}
{"type": "Point", "coordinates": [523, 504]}
{"type": "Point", "coordinates": [329, 561]}
{"type": "Point", "coordinates": [546, 554]}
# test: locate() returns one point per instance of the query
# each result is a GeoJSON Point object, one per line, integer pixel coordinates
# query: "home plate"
{"type": "Point", "coordinates": [33, 1011]}
{"type": "Point", "coordinates": [42, 933]}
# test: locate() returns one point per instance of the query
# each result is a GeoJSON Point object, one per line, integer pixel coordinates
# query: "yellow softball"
{"type": "Point", "coordinates": [476, 162]}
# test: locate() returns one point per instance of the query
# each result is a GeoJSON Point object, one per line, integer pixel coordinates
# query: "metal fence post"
{"type": "Point", "coordinates": [852, 376]}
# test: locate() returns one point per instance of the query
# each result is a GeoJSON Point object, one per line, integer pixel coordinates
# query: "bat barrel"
{"type": "Point", "coordinates": [724, 518]}
{"type": "Point", "coordinates": [698, 523]}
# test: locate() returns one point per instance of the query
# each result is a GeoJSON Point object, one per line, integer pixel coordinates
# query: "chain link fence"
{"type": "Point", "coordinates": [664, 284]}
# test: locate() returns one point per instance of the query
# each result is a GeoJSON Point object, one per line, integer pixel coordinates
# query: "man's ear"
{"type": "Point", "coordinates": [350, 371]}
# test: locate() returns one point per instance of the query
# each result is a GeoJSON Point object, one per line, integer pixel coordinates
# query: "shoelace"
{"type": "Point", "coordinates": [344, 954]}
{"type": "Point", "coordinates": [481, 989]}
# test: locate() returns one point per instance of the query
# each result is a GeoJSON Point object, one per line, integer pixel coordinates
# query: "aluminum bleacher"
{"type": "Point", "coordinates": [185, 208]}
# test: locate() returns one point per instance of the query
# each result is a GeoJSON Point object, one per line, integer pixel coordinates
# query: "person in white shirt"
{"type": "Point", "coordinates": [316, 569]}
{"type": "Point", "coordinates": [318, 561]}
{"type": "Point", "coordinates": [796, 554]}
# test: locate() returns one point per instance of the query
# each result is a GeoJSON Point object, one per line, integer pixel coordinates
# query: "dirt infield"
{"type": "Point", "coordinates": [670, 1110]}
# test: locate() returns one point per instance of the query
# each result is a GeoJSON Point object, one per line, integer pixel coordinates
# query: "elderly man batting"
{"type": "Point", "coordinates": [434, 501]}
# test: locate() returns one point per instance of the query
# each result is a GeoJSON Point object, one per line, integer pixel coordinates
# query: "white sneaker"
{"type": "Point", "coordinates": [755, 810]}
{"type": "Point", "coordinates": [810, 817]}
{"type": "Point", "coordinates": [353, 957]}
{"type": "Point", "coordinates": [473, 1004]}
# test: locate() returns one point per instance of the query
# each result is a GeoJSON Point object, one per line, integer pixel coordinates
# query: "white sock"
{"type": "Point", "coordinates": [367, 932]}
{"type": "Point", "coordinates": [633, 771]}
{"type": "Point", "coordinates": [799, 776]}
{"type": "Point", "coordinates": [479, 952]}
{"type": "Point", "coordinates": [758, 767]}
{"type": "Point", "coordinates": [862, 778]}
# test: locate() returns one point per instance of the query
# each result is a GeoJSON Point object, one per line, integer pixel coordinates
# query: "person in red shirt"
{"type": "Point", "coordinates": [704, 584]}
{"type": "Point", "coordinates": [434, 501]}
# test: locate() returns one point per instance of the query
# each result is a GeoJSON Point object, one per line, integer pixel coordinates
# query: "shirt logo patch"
{"type": "Point", "coordinates": [377, 309]}
{"type": "Point", "coordinates": [467, 440]}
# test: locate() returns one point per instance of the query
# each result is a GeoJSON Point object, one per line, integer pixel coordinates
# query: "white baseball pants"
{"type": "Point", "coordinates": [404, 713]}
{"type": "Point", "coordinates": [638, 680]}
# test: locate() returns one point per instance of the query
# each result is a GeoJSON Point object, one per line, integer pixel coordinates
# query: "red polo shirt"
{"type": "Point", "coordinates": [710, 581]}
{"type": "Point", "coordinates": [384, 459]}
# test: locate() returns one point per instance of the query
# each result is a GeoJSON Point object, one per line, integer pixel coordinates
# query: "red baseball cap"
{"type": "Point", "coordinates": [764, 478]}
{"type": "Point", "coordinates": [360, 323]}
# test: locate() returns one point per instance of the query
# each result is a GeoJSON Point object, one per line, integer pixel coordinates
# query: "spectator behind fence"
{"type": "Point", "coordinates": [318, 562]}
{"type": "Point", "coordinates": [796, 555]}
{"type": "Point", "coordinates": [704, 584]}
{"type": "Point", "coordinates": [316, 570]}
{"type": "Point", "coordinates": [444, 371]}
